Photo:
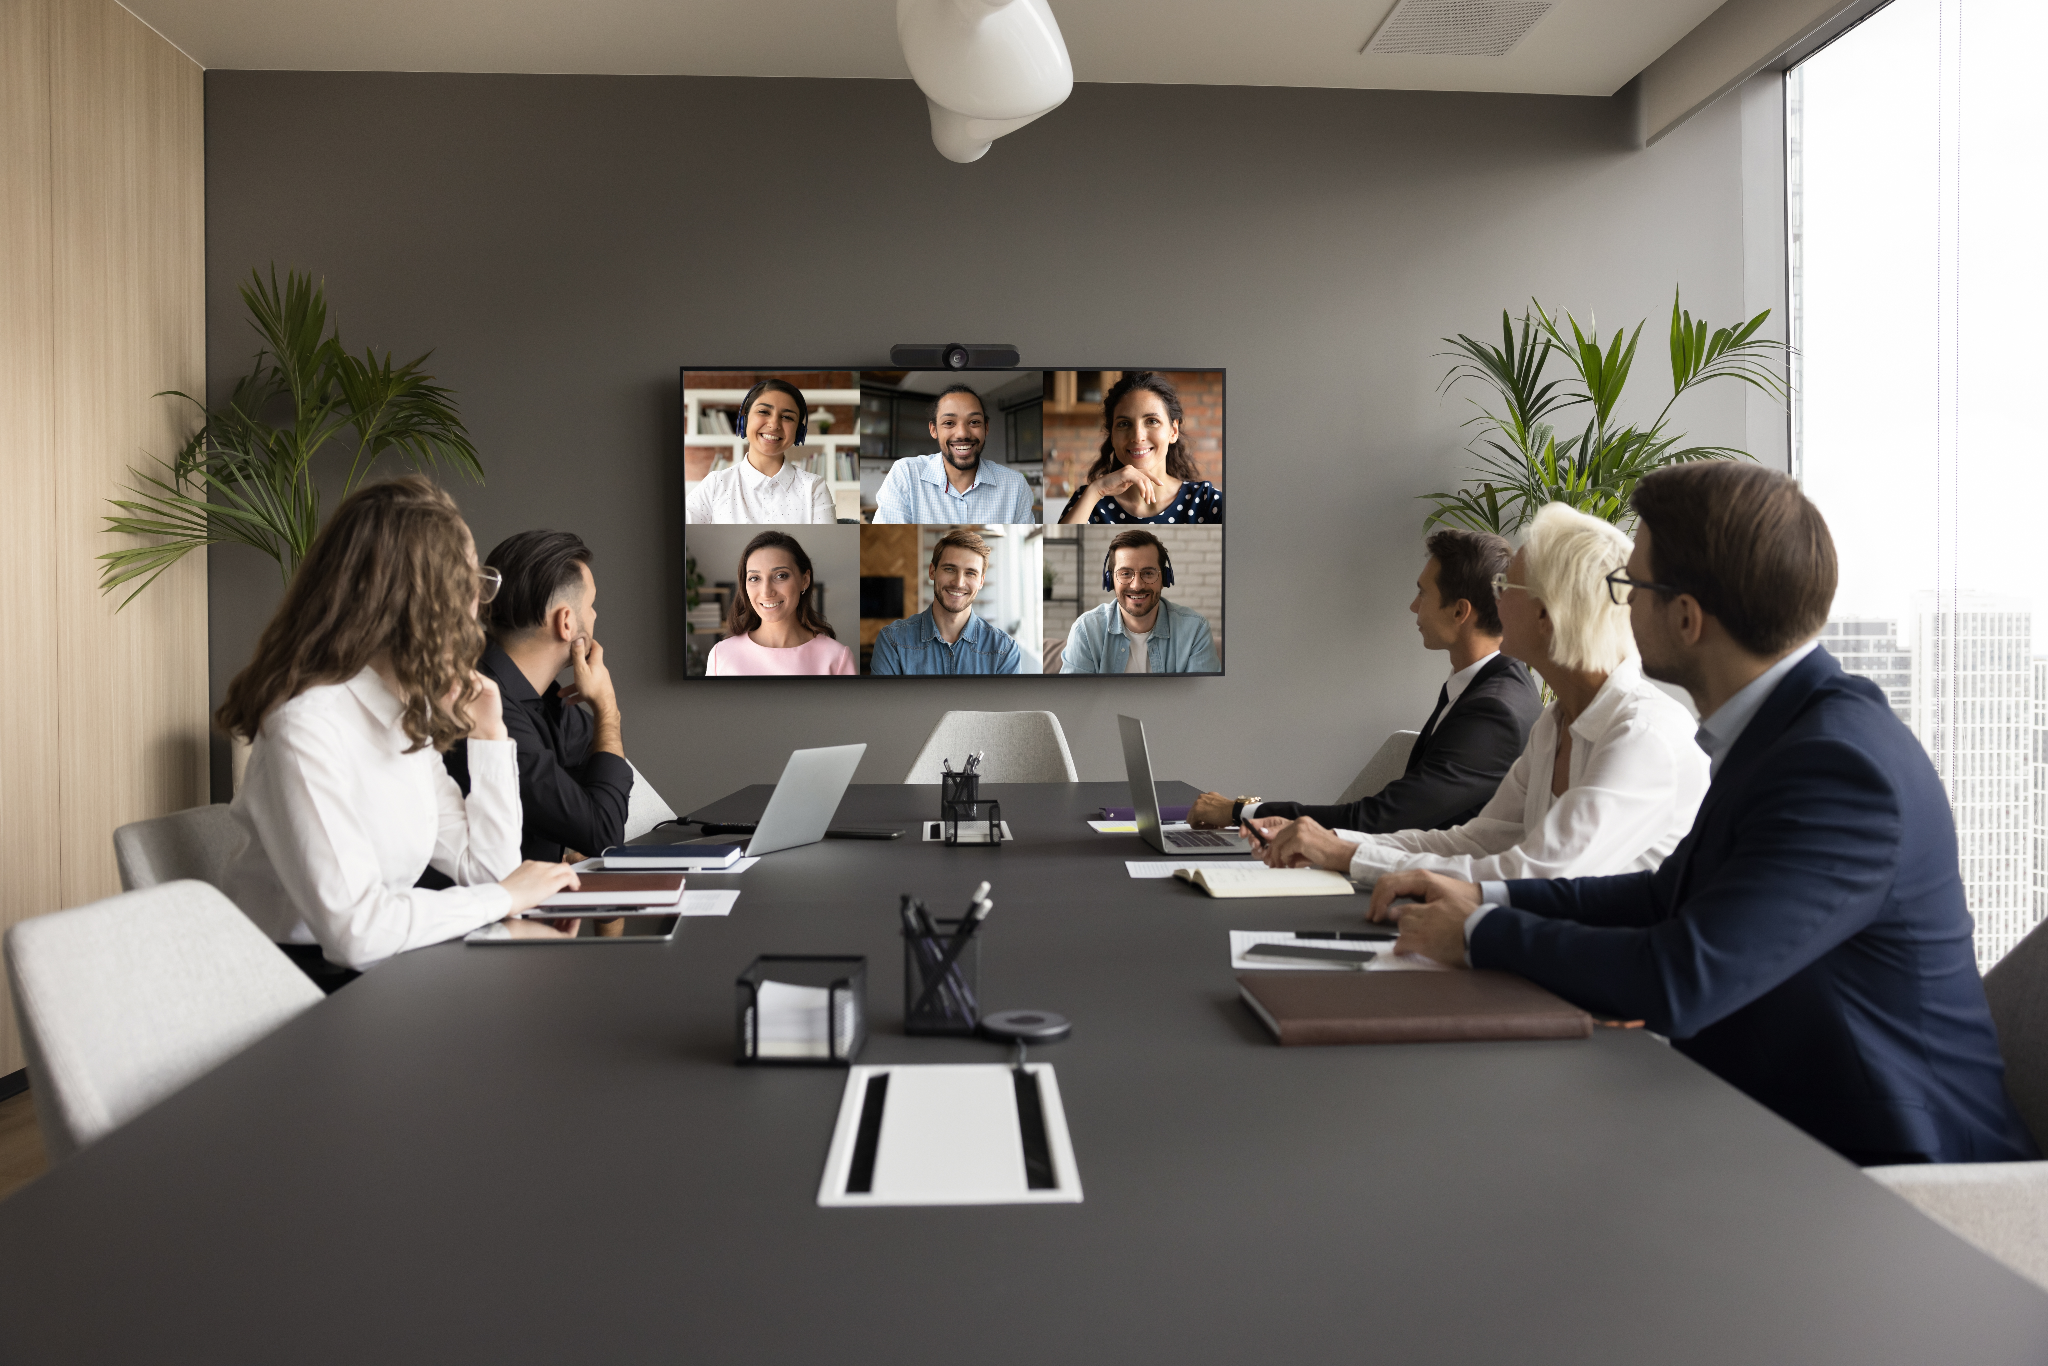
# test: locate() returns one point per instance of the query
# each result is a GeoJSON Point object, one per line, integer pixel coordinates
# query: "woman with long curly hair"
{"type": "Point", "coordinates": [1143, 472]}
{"type": "Point", "coordinates": [365, 676]}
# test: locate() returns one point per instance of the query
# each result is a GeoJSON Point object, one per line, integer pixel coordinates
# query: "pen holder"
{"type": "Point", "coordinates": [803, 1009]}
{"type": "Point", "coordinates": [972, 823]}
{"type": "Point", "coordinates": [955, 1006]}
{"type": "Point", "coordinates": [955, 790]}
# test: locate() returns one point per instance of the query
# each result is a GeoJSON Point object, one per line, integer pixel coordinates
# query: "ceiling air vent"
{"type": "Point", "coordinates": [1456, 28]}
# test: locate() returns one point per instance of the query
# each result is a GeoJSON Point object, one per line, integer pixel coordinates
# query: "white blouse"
{"type": "Point", "coordinates": [341, 823]}
{"type": "Point", "coordinates": [741, 493]}
{"type": "Point", "coordinates": [1637, 779]}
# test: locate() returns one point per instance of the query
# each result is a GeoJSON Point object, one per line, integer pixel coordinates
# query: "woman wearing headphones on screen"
{"type": "Point", "coordinates": [1143, 473]}
{"type": "Point", "coordinates": [774, 626]}
{"type": "Point", "coordinates": [764, 485]}
{"type": "Point", "coordinates": [365, 675]}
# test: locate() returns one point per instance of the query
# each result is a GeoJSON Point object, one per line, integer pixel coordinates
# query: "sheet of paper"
{"type": "Point", "coordinates": [740, 865]}
{"type": "Point", "coordinates": [711, 901]}
{"type": "Point", "coordinates": [794, 1021]}
{"type": "Point", "coordinates": [1114, 827]}
{"type": "Point", "coordinates": [949, 1136]}
{"type": "Point", "coordinates": [1163, 867]}
{"type": "Point", "coordinates": [1240, 940]}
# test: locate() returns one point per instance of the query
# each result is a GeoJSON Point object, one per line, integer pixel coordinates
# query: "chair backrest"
{"type": "Point", "coordinates": [1017, 747]}
{"type": "Point", "coordinates": [1386, 764]}
{"type": "Point", "coordinates": [123, 1001]}
{"type": "Point", "coordinates": [644, 808]}
{"type": "Point", "coordinates": [199, 843]}
{"type": "Point", "coordinates": [2018, 988]}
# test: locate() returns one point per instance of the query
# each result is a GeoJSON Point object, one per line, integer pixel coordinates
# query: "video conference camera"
{"type": "Point", "coordinates": [954, 356]}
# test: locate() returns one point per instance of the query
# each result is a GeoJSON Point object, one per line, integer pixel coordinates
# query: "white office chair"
{"type": "Point", "coordinates": [644, 809]}
{"type": "Point", "coordinates": [1017, 747]}
{"type": "Point", "coordinates": [2001, 1207]}
{"type": "Point", "coordinates": [1386, 764]}
{"type": "Point", "coordinates": [199, 843]}
{"type": "Point", "coordinates": [123, 1001]}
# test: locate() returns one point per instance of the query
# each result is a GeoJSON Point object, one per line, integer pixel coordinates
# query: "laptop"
{"type": "Point", "coordinates": [805, 797]}
{"type": "Point", "coordinates": [1145, 802]}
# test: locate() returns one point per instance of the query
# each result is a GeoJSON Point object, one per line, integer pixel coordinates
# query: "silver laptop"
{"type": "Point", "coordinates": [1145, 802]}
{"type": "Point", "coordinates": [805, 798]}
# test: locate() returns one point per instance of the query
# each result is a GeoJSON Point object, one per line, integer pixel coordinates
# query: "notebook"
{"type": "Point", "coordinates": [629, 858]}
{"type": "Point", "coordinates": [620, 889]}
{"type": "Point", "coordinates": [1255, 879]}
{"type": "Point", "coordinates": [1407, 1007]}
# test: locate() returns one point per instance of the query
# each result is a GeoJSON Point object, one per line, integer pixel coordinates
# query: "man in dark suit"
{"type": "Point", "coordinates": [574, 781]}
{"type": "Point", "coordinates": [1482, 714]}
{"type": "Point", "coordinates": [1808, 941]}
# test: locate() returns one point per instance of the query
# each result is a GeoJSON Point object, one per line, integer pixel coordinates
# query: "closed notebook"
{"type": "Point", "coordinates": [621, 889]}
{"type": "Point", "coordinates": [706, 858]}
{"type": "Point", "coordinates": [1407, 1007]}
{"type": "Point", "coordinates": [1256, 879]}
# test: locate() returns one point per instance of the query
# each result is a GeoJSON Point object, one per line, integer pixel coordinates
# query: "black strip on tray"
{"type": "Point", "coordinates": [860, 1176]}
{"type": "Point", "coordinates": [1031, 1126]}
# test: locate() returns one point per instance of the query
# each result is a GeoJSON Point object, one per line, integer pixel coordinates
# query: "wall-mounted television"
{"type": "Point", "coordinates": [903, 523]}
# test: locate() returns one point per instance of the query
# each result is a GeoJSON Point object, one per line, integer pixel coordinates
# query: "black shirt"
{"type": "Point", "coordinates": [570, 797]}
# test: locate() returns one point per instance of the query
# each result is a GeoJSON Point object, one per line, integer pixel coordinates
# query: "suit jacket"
{"type": "Point", "coordinates": [1808, 941]}
{"type": "Point", "coordinates": [1456, 765]}
{"type": "Point", "coordinates": [569, 796]}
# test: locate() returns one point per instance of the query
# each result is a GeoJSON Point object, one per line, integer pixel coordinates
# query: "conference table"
{"type": "Point", "coordinates": [547, 1154]}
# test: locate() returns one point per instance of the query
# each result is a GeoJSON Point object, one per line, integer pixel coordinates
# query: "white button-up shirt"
{"type": "Point", "coordinates": [342, 821]}
{"type": "Point", "coordinates": [1636, 781]}
{"type": "Point", "coordinates": [740, 493]}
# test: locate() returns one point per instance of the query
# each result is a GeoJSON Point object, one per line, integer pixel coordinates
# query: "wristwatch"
{"type": "Point", "coordinates": [1237, 808]}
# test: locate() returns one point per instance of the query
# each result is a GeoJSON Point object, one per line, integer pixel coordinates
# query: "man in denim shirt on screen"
{"type": "Point", "coordinates": [946, 637]}
{"type": "Point", "coordinates": [954, 484]}
{"type": "Point", "coordinates": [1140, 632]}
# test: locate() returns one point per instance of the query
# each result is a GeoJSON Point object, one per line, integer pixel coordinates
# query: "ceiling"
{"type": "Point", "coordinates": [1581, 47]}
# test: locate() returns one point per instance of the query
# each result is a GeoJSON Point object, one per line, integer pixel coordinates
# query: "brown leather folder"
{"type": "Point", "coordinates": [1407, 1007]}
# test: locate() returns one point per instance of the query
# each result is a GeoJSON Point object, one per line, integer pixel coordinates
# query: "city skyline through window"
{"type": "Point", "coordinates": [1915, 147]}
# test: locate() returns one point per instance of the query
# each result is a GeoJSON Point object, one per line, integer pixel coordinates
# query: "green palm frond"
{"type": "Point", "coordinates": [246, 475]}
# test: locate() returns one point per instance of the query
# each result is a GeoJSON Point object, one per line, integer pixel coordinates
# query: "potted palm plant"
{"type": "Point", "coordinates": [246, 476]}
{"type": "Point", "coordinates": [1524, 462]}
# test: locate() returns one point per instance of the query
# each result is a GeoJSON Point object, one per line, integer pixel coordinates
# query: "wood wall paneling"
{"type": "Point", "coordinates": [111, 295]}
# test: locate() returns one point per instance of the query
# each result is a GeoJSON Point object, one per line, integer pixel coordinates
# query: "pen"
{"type": "Point", "coordinates": [961, 937]}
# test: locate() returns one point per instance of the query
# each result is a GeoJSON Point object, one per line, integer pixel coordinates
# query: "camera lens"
{"type": "Point", "coordinates": [956, 357]}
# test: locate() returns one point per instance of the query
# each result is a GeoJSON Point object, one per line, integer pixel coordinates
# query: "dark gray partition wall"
{"type": "Point", "coordinates": [565, 243]}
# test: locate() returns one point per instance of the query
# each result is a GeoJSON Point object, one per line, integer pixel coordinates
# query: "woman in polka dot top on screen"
{"type": "Point", "coordinates": [1143, 473]}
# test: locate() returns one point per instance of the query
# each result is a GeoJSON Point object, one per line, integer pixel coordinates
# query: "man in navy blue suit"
{"type": "Point", "coordinates": [1808, 941]}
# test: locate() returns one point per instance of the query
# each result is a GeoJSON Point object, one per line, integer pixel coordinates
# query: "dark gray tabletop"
{"type": "Point", "coordinates": [547, 1155]}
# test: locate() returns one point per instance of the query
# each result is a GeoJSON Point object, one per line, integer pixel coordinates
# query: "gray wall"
{"type": "Point", "coordinates": [564, 243]}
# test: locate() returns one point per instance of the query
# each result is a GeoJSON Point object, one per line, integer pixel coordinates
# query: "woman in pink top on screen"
{"type": "Point", "coordinates": [774, 626]}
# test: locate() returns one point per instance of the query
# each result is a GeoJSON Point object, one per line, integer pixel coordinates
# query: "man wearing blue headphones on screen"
{"type": "Point", "coordinates": [1139, 632]}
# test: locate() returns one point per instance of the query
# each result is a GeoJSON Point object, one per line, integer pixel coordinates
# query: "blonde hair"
{"type": "Point", "coordinates": [1567, 558]}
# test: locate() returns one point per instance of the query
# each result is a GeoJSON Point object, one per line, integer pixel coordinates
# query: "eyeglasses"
{"type": "Point", "coordinates": [1621, 589]}
{"type": "Point", "coordinates": [1501, 585]}
{"type": "Point", "coordinates": [1146, 576]}
{"type": "Point", "coordinates": [488, 582]}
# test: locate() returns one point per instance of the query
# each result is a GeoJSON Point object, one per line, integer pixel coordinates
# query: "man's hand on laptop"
{"type": "Point", "coordinates": [1432, 913]}
{"type": "Point", "coordinates": [1211, 811]}
{"type": "Point", "coordinates": [1302, 843]}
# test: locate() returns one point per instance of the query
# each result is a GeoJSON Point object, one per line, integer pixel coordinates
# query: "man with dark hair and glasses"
{"type": "Point", "coordinates": [954, 484]}
{"type": "Point", "coordinates": [1139, 631]}
{"type": "Point", "coordinates": [1809, 940]}
{"type": "Point", "coordinates": [574, 781]}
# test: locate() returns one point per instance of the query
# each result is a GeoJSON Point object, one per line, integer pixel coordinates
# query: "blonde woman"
{"type": "Point", "coordinates": [363, 678]}
{"type": "Point", "coordinates": [1611, 776]}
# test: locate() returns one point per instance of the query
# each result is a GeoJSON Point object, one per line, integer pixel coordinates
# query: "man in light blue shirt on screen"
{"type": "Point", "coordinates": [1140, 632]}
{"type": "Point", "coordinates": [954, 484]}
{"type": "Point", "coordinates": [946, 637]}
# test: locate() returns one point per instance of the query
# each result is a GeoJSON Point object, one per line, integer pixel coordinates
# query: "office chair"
{"type": "Point", "coordinates": [1388, 762]}
{"type": "Point", "coordinates": [123, 1001]}
{"type": "Point", "coordinates": [198, 843]}
{"type": "Point", "coordinates": [1017, 747]}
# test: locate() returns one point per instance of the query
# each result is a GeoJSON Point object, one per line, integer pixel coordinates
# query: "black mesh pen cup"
{"type": "Point", "coordinates": [957, 790]}
{"type": "Point", "coordinates": [803, 1009]}
{"type": "Point", "coordinates": [936, 1001]}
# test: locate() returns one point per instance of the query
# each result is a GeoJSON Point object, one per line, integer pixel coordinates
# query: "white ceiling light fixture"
{"type": "Point", "coordinates": [1456, 28]}
{"type": "Point", "coordinates": [986, 67]}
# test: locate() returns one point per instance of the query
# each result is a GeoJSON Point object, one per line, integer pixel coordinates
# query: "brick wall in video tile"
{"type": "Point", "coordinates": [1197, 553]}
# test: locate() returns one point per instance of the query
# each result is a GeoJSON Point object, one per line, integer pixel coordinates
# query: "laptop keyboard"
{"type": "Point", "coordinates": [1198, 839]}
